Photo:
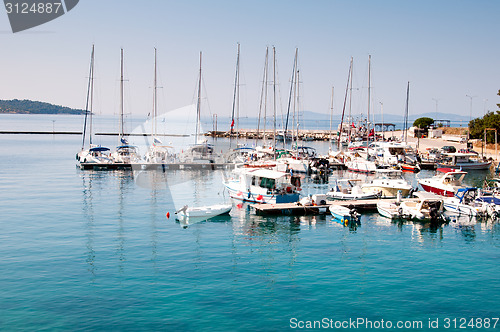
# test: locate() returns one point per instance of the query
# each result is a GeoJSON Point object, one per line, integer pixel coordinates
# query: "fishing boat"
{"type": "Point", "coordinates": [344, 215]}
{"type": "Point", "coordinates": [388, 182]}
{"type": "Point", "coordinates": [205, 212]}
{"type": "Point", "coordinates": [350, 189]}
{"type": "Point", "coordinates": [260, 185]}
{"type": "Point", "coordinates": [464, 161]}
{"type": "Point", "coordinates": [446, 184]}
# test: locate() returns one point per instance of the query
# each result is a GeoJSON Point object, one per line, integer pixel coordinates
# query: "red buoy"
{"type": "Point", "coordinates": [168, 215]}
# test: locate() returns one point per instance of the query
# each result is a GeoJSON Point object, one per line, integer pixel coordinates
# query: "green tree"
{"type": "Point", "coordinates": [423, 123]}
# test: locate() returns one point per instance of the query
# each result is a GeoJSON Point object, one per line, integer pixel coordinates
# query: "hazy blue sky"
{"type": "Point", "coordinates": [446, 49]}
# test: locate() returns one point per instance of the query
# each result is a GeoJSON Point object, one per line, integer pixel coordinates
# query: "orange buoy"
{"type": "Point", "coordinates": [168, 215]}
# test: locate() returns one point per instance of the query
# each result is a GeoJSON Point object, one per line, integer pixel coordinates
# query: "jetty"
{"type": "Point", "coordinates": [154, 166]}
{"type": "Point", "coordinates": [297, 209]}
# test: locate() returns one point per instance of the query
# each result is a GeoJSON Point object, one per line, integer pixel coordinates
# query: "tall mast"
{"type": "Point", "coordinates": [406, 112]}
{"type": "Point", "coordinates": [331, 116]}
{"type": "Point", "coordinates": [350, 101]}
{"type": "Point", "coordinates": [292, 86]}
{"type": "Point", "coordinates": [236, 98]}
{"type": "Point", "coordinates": [89, 101]}
{"type": "Point", "coordinates": [274, 99]}
{"type": "Point", "coordinates": [343, 108]}
{"type": "Point", "coordinates": [198, 107]}
{"type": "Point", "coordinates": [155, 104]}
{"type": "Point", "coordinates": [369, 86]}
{"type": "Point", "coordinates": [297, 84]}
{"type": "Point", "coordinates": [263, 98]}
{"type": "Point", "coordinates": [121, 94]}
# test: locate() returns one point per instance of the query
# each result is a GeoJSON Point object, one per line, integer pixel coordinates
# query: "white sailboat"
{"type": "Point", "coordinates": [201, 152]}
{"type": "Point", "coordinates": [95, 154]}
{"type": "Point", "coordinates": [157, 152]}
{"type": "Point", "coordinates": [125, 153]}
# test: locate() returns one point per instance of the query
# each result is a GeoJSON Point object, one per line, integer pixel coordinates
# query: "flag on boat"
{"type": "Point", "coordinates": [232, 123]}
{"type": "Point", "coordinates": [123, 140]}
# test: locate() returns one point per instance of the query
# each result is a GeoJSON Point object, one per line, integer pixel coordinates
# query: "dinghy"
{"type": "Point", "coordinates": [206, 212]}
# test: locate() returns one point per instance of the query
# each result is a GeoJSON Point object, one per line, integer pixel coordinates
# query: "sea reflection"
{"type": "Point", "coordinates": [107, 198]}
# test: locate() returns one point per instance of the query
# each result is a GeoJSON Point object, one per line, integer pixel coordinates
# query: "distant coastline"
{"type": "Point", "coordinates": [26, 106]}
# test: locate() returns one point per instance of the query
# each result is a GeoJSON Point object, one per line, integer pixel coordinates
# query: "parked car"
{"type": "Point", "coordinates": [448, 149]}
{"type": "Point", "coordinates": [467, 151]}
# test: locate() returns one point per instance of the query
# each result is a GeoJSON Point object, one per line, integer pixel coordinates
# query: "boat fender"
{"type": "Point", "coordinates": [346, 222]}
{"type": "Point", "coordinates": [400, 211]}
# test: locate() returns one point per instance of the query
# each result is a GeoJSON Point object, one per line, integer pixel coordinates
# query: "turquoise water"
{"type": "Point", "coordinates": [95, 251]}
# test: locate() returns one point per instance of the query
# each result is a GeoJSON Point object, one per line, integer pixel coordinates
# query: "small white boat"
{"type": "Point", "coordinates": [391, 210]}
{"type": "Point", "coordinates": [425, 208]}
{"type": "Point", "coordinates": [361, 165]}
{"type": "Point", "coordinates": [206, 212]}
{"type": "Point", "coordinates": [388, 182]}
{"type": "Point", "coordinates": [344, 215]}
{"type": "Point", "coordinates": [428, 207]}
{"type": "Point", "coordinates": [349, 189]}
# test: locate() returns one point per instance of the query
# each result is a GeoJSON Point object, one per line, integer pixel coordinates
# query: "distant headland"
{"type": "Point", "coordinates": [26, 106]}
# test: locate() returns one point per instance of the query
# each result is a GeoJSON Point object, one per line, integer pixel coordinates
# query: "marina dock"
{"type": "Point", "coordinates": [296, 209]}
{"type": "Point", "coordinates": [155, 167]}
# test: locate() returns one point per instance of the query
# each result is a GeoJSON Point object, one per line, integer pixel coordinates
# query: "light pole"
{"type": "Point", "coordinates": [470, 119]}
{"type": "Point", "coordinates": [436, 100]}
{"type": "Point", "coordinates": [382, 111]}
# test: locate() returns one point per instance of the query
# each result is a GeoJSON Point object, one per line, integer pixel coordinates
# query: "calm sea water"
{"type": "Point", "coordinates": [84, 250]}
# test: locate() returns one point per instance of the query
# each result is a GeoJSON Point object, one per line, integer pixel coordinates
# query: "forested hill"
{"type": "Point", "coordinates": [34, 107]}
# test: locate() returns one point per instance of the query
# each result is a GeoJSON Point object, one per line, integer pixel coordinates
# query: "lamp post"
{"type": "Point", "coordinates": [470, 119]}
{"type": "Point", "coordinates": [436, 100]}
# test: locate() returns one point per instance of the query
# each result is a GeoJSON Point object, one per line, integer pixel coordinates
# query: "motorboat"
{"type": "Point", "coordinates": [446, 184]}
{"type": "Point", "coordinates": [350, 189]}
{"type": "Point", "coordinates": [361, 165]}
{"type": "Point", "coordinates": [425, 207]}
{"type": "Point", "coordinates": [405, 167]}
{"type": "Point", "coordinates": [464, 202]}
{"type": "Point", "coordinates": [464, 161]}
{"type": "Point", "coordinates": [388, 182]}
{"type": "Point", "coordinates": [344, 215]}
{"type": "Point", "coordinates": [260, 185]}
{"type": "Point", "coordinates": [205, 212]}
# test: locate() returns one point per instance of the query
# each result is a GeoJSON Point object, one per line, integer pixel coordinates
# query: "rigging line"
{"type": "Point", "coordinates": [88, 93]}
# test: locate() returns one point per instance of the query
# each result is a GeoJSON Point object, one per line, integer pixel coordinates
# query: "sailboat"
{"type": "Point", "coordinates": [201, 152]}
{"type": "Point", "coordinates": [125, 153]}
{"type": "Point", "coordinates": [157, 152]}
{"type": "Point", "coordinates": [94, 154]}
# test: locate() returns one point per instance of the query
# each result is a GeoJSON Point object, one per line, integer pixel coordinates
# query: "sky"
{"type": "Point", "coordinates": [445, 49]}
